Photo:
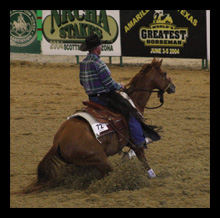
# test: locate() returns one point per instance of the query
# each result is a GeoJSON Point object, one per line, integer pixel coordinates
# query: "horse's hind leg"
{"type": "Point", "coordinates": [98, 160]}
{"type": "Point", "coordinates": [103, 166]}
{"type": "Point", "coordinates": [79, 146]}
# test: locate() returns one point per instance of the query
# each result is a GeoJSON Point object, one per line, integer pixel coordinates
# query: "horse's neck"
{"type": "Point", "coordinates": [140, 98]}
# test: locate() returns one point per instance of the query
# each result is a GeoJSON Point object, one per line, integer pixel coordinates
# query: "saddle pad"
{"type": "Point", "coordinates": [99, 129]}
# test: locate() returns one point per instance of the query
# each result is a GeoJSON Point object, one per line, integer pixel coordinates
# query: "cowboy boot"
{"type": "Point", "coordinates": [147, 142]}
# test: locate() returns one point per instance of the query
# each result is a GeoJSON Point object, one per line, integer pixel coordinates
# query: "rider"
{"type": "Point", "coordinates": [96, 79]}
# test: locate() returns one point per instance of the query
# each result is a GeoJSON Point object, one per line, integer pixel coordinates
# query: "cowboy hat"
{"type": "Point", "coordinates": [91, 42]}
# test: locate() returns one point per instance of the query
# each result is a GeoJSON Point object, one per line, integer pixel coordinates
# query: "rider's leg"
{"type": "Point", "coordinates": [137, 133]}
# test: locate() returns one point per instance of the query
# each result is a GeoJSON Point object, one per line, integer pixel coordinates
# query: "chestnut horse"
{"type": "Point", "coordinates": [75, 142]}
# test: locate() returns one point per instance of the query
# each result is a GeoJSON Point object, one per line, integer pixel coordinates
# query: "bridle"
{"type": "Point", "coordinates": [159, 91]}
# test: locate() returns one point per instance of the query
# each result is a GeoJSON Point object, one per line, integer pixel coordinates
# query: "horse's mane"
{"type": "Point", "coordinates": [145, 69]}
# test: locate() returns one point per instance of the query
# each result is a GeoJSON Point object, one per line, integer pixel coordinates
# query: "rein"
{"type": "Point", "coordinates": [160, 94]}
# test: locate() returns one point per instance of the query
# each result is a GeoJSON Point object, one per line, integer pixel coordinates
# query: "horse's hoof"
{"type": "Point", "coordinates": [151, 173]}
{"type": "Point", "coordinates": [128, 155]}
{"type": "Point", "coordinates": [131, 154]}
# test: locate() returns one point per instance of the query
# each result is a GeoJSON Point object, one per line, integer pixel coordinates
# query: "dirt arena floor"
{"type": "Point", "coordinates": [43, 95]}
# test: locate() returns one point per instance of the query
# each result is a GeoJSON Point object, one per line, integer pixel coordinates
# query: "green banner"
{"type": "Point", "coordinates": [23, 32]}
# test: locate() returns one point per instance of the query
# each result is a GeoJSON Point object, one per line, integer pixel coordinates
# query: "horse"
{"type": "Point", "coordinates": [160, 17]}
{"type": "Point", "coordinates": [75, 143]}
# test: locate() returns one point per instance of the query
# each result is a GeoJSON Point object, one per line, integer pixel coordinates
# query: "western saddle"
{"type": "Point", "coordinates": [116, 122]}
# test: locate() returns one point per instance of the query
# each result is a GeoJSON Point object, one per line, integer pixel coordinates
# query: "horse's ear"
{"type": "Point", "coordinates": [144, 67]}
{"type": "Point", "coordinates": [160, 62]}
{"type": "Point", "coordinates": [154, 60]}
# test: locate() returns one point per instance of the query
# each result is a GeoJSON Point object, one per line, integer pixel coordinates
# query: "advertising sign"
{"type": "Point", "coordinates": [65, 30]}
{"type": "Point", "coordinates": [164, 33]}
{"type": "Point", "coordinates": [23, 31]}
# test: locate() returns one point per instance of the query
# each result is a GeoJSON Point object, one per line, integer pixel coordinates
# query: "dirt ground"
{"type": "Point", "coordinates": [43, 95]}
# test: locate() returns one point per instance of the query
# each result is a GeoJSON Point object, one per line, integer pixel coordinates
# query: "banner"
{"type": "Point", "coordinates": [65, 30]}
{"type": "Point", "coordinates": [23, 31]}
{"type": "Point", "coordinates": [164, 33]}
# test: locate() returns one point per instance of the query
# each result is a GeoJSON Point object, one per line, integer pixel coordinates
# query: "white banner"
{"type": "Point", "coordinates": [65, 30]}
{"type": "Point", "coordinates": [208, 33]}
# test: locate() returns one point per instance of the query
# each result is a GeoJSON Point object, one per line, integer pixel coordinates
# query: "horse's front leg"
{"type": "Point", "coordinates": [141, 156]}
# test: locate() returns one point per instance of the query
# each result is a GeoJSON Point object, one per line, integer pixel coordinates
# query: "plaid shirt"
{"type": "Point", "coordinates": [95, 76]}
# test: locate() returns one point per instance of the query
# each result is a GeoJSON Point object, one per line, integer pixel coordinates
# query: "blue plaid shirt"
{"type": "Point", "coordinates": [95, 76]}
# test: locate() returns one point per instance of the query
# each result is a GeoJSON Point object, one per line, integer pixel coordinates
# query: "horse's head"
{"type": "Point", "coordinates": [158, 77]}
{"type": "Point", "coordinates": [150, 77]}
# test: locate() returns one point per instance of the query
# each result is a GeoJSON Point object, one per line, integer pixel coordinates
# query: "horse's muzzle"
{"type": "Point", "coordinates": [171, 89]}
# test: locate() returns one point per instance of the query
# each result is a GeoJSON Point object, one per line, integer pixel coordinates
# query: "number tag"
{"type": "Point", "coordinates": [99, 127]}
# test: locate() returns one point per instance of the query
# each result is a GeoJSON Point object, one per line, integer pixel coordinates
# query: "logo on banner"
{"type": "Point", "coordinates": [73, 26]}
{"type": "Point", "coordinates": [162, 32]}
{"type": "Point", "coordinates": [23, 29]}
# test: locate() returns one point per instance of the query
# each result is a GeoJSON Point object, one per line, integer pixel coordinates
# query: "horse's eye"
{"type": "Point", "coordinates": [165, 73]}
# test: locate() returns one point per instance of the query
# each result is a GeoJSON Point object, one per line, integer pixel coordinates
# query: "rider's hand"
{"type": "Point", "coordinates": [122, 85]}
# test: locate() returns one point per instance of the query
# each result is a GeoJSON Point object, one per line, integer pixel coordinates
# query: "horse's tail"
{"type": "Point", "coordinates": [46, 171]}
